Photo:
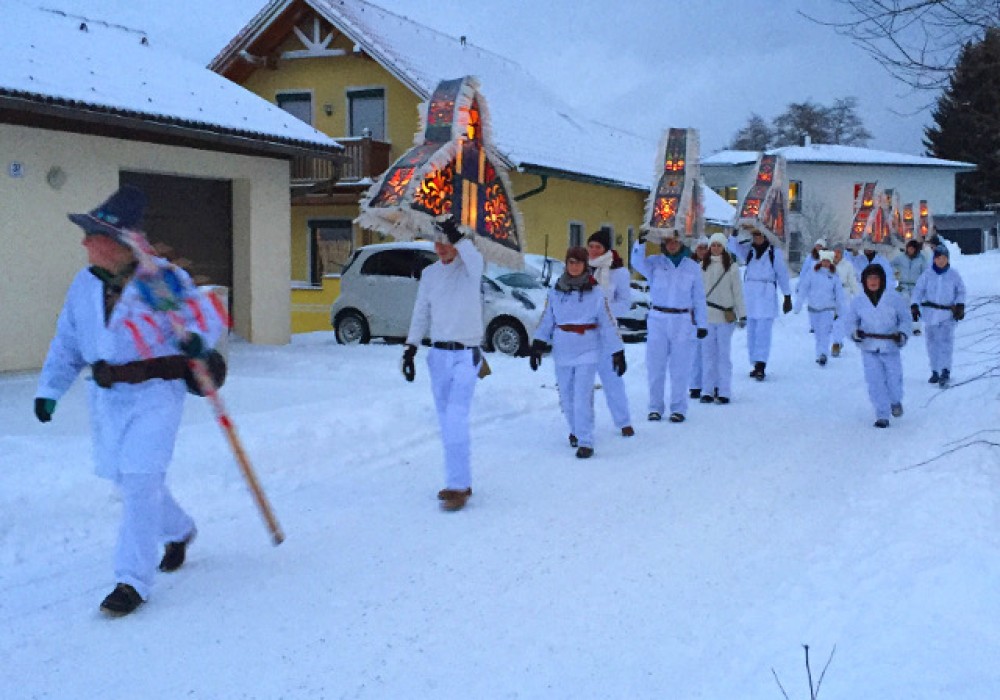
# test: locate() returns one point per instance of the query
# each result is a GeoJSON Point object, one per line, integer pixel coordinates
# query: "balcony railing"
{"type": "Point", "coordinates": [363, 157]}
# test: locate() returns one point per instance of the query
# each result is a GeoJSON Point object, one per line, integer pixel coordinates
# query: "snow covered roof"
{"type": "Point", "coordinates": [532, 128]}
{"type": "Point", "coordinates": [51, 58]}
{"type": "Point", "coordinates": [834, 154]}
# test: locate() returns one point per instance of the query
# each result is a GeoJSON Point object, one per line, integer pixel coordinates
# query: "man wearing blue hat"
{"type": "Point", "coordinates": [939, 298]}
{"type": "Point", "coordinates": [136, 393]}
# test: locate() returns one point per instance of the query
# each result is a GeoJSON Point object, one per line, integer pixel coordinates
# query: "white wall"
{"type": "Point", "coordinates": [40, 249]}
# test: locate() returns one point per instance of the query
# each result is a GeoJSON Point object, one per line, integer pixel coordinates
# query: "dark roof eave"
{"type": "Point", "coordinates": [534, 169]}
{"type": "Point", "coordinates": [207, 134]}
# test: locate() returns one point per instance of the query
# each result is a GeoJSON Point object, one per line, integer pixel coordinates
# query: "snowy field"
{"type": "Point", "coordinates": [686, 562]}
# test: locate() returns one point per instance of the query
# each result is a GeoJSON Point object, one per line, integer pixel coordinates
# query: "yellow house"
{"type": "Point", "coordinates": [358, 73]}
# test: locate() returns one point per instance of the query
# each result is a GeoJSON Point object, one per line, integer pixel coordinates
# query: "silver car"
{"type": "Point", "coordinates": [378, 288]}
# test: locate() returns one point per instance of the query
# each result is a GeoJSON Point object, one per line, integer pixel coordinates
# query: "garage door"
{"type": "Point", "coordinates": [192, 219]}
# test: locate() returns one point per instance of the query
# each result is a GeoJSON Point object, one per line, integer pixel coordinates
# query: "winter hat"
{"type": "Point", "coordinates": [449, 227]}
{"type": "Point", "coordinates": [578, 253]}
{"type": "Point", "coordinates": [826, 255]}
{"type": "Point", "coordinates": [719, 238]}
{"type": "Point", "coordinates": [941, 249]}
{"type": "Point", "coordinates": [122, 210]}
{"type": "Point", "coordinates": [820, 242]}
{"type": "Point", "coordinates": [913, 243]}
{"type": "Point", "coordinates": [838, 246]}
{"type": "Point", "coordinates": [702, 241]}
{"type": "Point", "coordinates": [602, 236]}
{"type": "Point", "coordinates": [876, 270]}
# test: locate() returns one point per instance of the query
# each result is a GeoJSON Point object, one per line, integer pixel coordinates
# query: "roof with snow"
{"type": "Point", "coordinates": [50, 59]}
{"type": "Point", "coordinates": [833, 154]}
{"type": "Point", "coordinates": [532, 128]}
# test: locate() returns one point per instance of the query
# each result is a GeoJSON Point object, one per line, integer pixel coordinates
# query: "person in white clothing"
{"type": "Point", "coordinates": [699, 255]}
{"type": "Point", "coordinates": [140, 377]}
{"type": "Point", "coordinates": [449, 312]}
{"type": "Point", "coordinates": [849, 281]}
{"type": "Point", "coordinates": [726, 309]}
{"type": "Point", "coordinates": [822, 293]}
{"type": "Point", "coordinates": [677, 319]}
{"type": "Point", "coordinates": [613, 278]}
{"type": "Point", "coordinates": [578, 324]}
{"type": "Point", "coordinates": [908, 266]}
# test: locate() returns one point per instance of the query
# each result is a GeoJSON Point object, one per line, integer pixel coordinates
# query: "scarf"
{"type": "Point", "coordinates": [581, 283]}
{"type": "Point", "coordinates": [684, 252]}
{"type": "Point", "coordinates": [601, 267]}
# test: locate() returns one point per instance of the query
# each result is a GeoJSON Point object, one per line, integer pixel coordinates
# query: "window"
{"type": "Point", "coordinates": [795, 247]}
{"type": "Point", "coordinates": [298, 104]}
{"type": "Point", "coordinates": [398, 263]}
{"type": "Point", "coordinates": [330, 246]}
{"type": "Point", "coordinates": [795, 195]}
{"type": "Point", "coordinates": [730, 193]}
{"type": "Point", "coordinates": [575, 235]}
{"type": "Point", "coordinates": [366, 113]}
{"type": "Point", "coordinates": [611, 233]}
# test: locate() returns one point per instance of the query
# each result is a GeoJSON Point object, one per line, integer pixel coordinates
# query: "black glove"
{"type": "Point", "coordinates": [44, 408]}
{"type": "Point", "coordinates": [899, 339]}
{"type": "Point", "coordinates": [192, 346]}
{"type": "Point", "coordinates": [787, 305]}
{"type": "Point", "coordinates": [701, 333]}
{"type": "Point", "coordinates": [741, 323]}
{"type": "Point", "coordinates": [958, 311]}
{"type": "Point", "coordinates": [618, 362]}
{"type": "Point", "coordinates": [409, 369]}
{"type": "Point", "coordinates": [450, 229]}
{"type": "Point", "coordinates": [535, 357]}
{"type": "Point", "coordinates": [915, 312]}
{"type": "Point", "coordinates": [101, 372]}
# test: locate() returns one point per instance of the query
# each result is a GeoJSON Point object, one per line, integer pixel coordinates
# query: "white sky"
{"type": "Point", "coordinates": [650, 65]}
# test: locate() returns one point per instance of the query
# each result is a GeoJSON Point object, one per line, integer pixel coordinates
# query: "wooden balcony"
{"type": "Point", "coordinates": [362, 158]}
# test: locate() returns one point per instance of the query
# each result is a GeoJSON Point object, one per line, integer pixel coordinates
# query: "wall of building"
{"type": "Point", "coordinates": [42, 251]}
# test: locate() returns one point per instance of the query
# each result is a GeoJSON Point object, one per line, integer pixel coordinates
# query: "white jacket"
{"type": "Point", "coordinates": [449, 305]}
{"type": "Point", "coordinates": [134, 426]}
{"type": "Point", "coordinates": [575, 308]}
{"type": "Point", "coordinates": [723, 288]}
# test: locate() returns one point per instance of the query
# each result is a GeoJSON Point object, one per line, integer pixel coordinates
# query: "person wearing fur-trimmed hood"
{"type": "Point", "coordinates": [822, 293]}
{"type": "Point", "coordinates": [878, 320]}
{"type": "Point", "coordinates": [908, 266]}
{"type": "Point", "coordinates": [939, 298]}
{"type": "Point", "coordinates": [677, 319]}
{"type": "Point", "coordinates": [138, 384]}
{"type": "Point", "coordinates": [578, 325]}
{"type": "Point", "coordinates": [726, 309]}
{"type": "Point", "coordinates": [612, 277]}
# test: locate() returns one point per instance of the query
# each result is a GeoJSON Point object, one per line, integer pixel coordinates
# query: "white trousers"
{"type": "Point", "coordinates": [669, 342]}
{"type": "Point", "coordinates": [696, 364]}
{"type": "Point", "coordinates": [822, 325]}
{"type": "Point", "coordinates": [884, 376]}
{"type": "Point", "coordinates": [150, 518]}
{"type": "Point", "coordinates": [940, 344]}
{"type": "Point", "coordinates": [759, 339]}
{"type": "Point", "coordinates": [453, 382]}
{"type": "Point", "coordinates": [576, 398]}
{"type": "Point", "coordinates": [614, 392]}
{"type": "Point", "coordinates": [716, 359]}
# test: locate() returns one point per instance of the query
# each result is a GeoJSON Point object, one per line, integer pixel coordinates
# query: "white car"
{"type": "Point", "coordinates": [378, 288]}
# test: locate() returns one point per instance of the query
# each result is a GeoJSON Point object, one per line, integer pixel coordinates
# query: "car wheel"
{"type": "Point", "coordinates": [508, 337]}
{"type": "Point", "coordinates": [351, 328]}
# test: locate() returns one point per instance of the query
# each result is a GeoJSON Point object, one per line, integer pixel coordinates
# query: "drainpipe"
{"type": "Point", "coordinates": [538, 190]}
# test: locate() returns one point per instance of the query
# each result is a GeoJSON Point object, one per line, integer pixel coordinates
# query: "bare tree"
{"type": "Point", "coordinates": [802, 118]}
{"type": "Point", "coordinates": [844, 123]}
{"type": "Point", "coordinates": [917, 41]}
{"type": "Point", "coordinates": [756, 135]}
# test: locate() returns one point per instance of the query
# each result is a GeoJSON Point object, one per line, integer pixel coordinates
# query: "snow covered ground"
{"type": "Point", "coordinates": [686, 562]}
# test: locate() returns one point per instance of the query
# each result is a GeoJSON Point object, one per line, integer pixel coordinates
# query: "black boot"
{"type": "Point", "coordinates": [121, 601]}
{"type": "Point", "coordinates": [758, 371]}
{"type": "Point", "coordinates": [696, 393]}
{"type": "Point", "coordinates": [935, 378]}
{"type": "Point", "coordinates": [174, 553]}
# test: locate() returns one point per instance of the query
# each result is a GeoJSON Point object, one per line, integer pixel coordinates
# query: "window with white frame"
{"type": "Point", "coordinates": [575, 234]}
{"type": "Point", "coordinates": [366, 113]}
{"type": "Point", "coordinates": [795, 195]}
{"type": "Point", "coordinates": [331, 242]}
{"type": "Point", "coordinates": [298, 104]}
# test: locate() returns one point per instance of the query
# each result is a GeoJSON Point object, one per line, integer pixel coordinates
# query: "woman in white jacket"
{"type": "Point", "coordinates": [613, 278]}
{"type": "Point", "coordinates": [726, 308]}
{"type": "Point", "coordinates": [823, 294]}
{"type": "Point", "coordinates": [849, 281]}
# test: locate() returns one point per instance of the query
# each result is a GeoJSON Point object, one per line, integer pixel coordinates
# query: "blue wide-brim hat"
{"type": "Point", "coordinates": [122, 210]}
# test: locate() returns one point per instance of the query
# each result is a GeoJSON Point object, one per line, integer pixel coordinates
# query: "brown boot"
{"type": "Point", "coordinates": [835, 350]}
{"type": "Point", "coordinates": [454, 499]}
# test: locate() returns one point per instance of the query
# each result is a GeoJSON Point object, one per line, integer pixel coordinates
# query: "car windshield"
{"type": "Point", "coordinates": [519, 280]}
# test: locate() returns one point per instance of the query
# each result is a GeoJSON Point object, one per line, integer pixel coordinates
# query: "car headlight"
{"type": "Point", "coordinates": [523, 298]}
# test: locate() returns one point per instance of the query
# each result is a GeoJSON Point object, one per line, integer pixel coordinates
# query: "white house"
{"type": "Point", "coordinates": [822, 178]}
{"type": "Point", "coordinates": [88, 105]}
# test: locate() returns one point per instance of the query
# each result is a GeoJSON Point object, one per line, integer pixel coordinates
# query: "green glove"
{"type": "Point", "coordinates": [44, 408]}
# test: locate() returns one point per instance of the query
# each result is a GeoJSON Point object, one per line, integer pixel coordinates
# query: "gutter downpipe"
{"type": "Point", "coordinates": [538, 190]}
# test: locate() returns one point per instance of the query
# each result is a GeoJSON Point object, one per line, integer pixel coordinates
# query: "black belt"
{"type": "Point", "coordinates": [449, 345]}
{"type": "Point", "coordinates": [881, 336]}
{"type": "Point", "coordinates": [169, 367]}
{"type": "Point", "coordinates": [935, 306]}
{"type": "Point", "coordinates": [669, 310]}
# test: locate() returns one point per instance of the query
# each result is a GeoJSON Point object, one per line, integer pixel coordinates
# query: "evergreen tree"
{"type": "Point", "coordinates": [755, 136]}
{"type": "Point", "coordinates": [967, 122]}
